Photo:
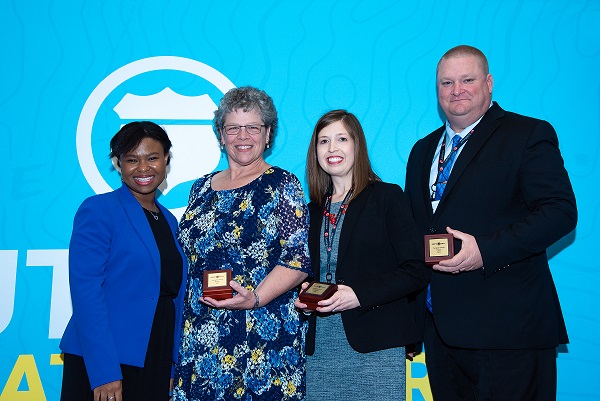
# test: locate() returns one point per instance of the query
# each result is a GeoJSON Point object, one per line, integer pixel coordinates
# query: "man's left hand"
{"type": "Point", "coordinates": [469, 257]}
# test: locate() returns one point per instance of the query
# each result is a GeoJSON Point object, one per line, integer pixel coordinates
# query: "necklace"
{"type": "Point", "coordinates": [332, 219]}
{"type": "Point", "coordinates": [154, 214]}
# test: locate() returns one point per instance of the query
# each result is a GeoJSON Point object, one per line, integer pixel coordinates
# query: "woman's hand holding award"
{"type": "Point", "coordinates": [215, 284]}
{"type": "Point", "coordinates": [315, 292]}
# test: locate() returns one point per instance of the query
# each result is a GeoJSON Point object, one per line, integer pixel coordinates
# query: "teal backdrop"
{"type": "Point", "coordinates": [73, 72]}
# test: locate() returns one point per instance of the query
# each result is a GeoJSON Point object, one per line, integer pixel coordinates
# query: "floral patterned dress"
{"type": "Point", "coordinates": [243, 354]}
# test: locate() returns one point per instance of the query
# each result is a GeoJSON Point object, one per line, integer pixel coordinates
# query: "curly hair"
{"type": "Point", "coordinates": [246, 98]}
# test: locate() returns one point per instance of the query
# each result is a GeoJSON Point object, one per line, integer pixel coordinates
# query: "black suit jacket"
{"type": "Point", "coordinates": [510, 190]}
{"type": "Point", "coordinates": [380, 258]}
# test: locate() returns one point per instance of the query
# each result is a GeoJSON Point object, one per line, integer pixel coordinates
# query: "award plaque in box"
{"type": "Point", "coordinates": [216, 284]}
{"type": "Point", "coordinates": [438, 247]}
{"type": "Point", "coordinates": [316, 292]}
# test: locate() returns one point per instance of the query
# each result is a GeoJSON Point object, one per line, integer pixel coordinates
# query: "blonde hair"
{"type": "Point", "coordinates": [464, 51]}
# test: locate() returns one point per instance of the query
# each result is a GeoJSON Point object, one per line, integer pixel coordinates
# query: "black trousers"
{"type": "Point", "coordinates": [459, 374]}
{"type": "Point", "coordinates": [76, 384]}
{"type": "Point", "coordinates": [148, 383]}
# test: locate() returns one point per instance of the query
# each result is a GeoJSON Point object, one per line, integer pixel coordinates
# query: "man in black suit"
{"type": "Point", "coordinates": [494, 319]}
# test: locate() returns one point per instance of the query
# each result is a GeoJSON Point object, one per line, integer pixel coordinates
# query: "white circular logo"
{"type": "Point", "coordinates": [186, 119]}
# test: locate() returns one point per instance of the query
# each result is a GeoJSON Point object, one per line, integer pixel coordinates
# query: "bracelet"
{"type": "Point", "coordinates": [256, 300]}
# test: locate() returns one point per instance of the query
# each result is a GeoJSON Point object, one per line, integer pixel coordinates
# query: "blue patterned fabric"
{"type": "Point", "coordinates": [445, 173]}
{"type": "Point", "coordinates": [248, 354]}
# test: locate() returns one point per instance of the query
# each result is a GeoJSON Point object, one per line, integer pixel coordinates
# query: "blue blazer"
{"type": "Point", "coordinates": [114, 273]}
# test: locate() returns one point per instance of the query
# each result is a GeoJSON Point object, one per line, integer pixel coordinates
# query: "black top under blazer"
{"type": "Point", "coordinates": [510, 190]}
{"type": "Point", "coordinates": [380, 258]}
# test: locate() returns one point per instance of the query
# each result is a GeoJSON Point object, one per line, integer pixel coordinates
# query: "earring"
{"type": "Point", "coordinates": [268, 146]}
{"type": "Point", "coordinates": [222, 146]}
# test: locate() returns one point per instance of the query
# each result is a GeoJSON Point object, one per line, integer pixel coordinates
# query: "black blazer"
{"type": "Point", "coordinates": [380, 258]}
{"type": "Point", "coordinates": [510, 190]}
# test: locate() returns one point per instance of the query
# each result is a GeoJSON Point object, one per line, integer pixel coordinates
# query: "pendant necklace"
{"type": "Point", "coordinates": [154, 214]}
{"type": "Point", "coordinates": [332, 219]}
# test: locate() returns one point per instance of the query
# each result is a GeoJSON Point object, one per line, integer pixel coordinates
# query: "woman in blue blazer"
{"type": "Point", "coordinates": [127, 278]}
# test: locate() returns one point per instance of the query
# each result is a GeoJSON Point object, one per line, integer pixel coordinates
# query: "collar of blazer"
{"type": "Point", "coordinates": [350, 219]}
{"type": "Point", "coordinates": [482, 132]}
{"type": "Point", "coordinates": [139, 222]}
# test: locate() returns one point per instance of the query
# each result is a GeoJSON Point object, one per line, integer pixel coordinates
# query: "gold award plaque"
{"type": "Point", "coordinates": [215, 284]}
{"type": "Point", "coordinates": [316, 292]}
{"type": "Point", "coordinates": [217, 279]}
{"type": "Point", "coordinates": [317, 288]}
{"type": "Point", "coordinates": [438, 247]}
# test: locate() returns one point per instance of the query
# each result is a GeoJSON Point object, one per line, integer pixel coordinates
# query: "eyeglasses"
{"type": "Point", "coordinates": [251, 129]}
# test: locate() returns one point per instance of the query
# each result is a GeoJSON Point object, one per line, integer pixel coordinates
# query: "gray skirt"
{"type": "Point", "coordinates": [337, 372]}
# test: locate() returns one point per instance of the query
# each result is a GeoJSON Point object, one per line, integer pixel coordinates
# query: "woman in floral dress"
{"type": "Point", "coordinates": [251, 218]}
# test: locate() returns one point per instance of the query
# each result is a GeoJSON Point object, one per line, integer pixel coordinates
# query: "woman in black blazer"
{"type": "Point", "coordinates": [363, 238]}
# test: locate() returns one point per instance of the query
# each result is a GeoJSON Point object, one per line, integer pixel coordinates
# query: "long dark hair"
{"type": "Point", "coordinates": [319, 182]}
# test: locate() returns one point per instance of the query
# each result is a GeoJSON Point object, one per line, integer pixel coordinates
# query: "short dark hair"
{"type": "Point", "coordinates": [131, 135]}
{"type": "Point", "coordinates": [319, 182]}
{"type": "Point", "coordinates": [247, 98]}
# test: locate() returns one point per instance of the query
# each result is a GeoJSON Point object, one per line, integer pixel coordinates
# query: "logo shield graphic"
{"type": "Point", "coordinates": [195, 147]}
{"type": "Point", "coordinates": [187, 120]}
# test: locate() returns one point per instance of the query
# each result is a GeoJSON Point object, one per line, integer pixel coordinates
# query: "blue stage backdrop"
{"type": "Point", "coordinates": [74, 72]}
